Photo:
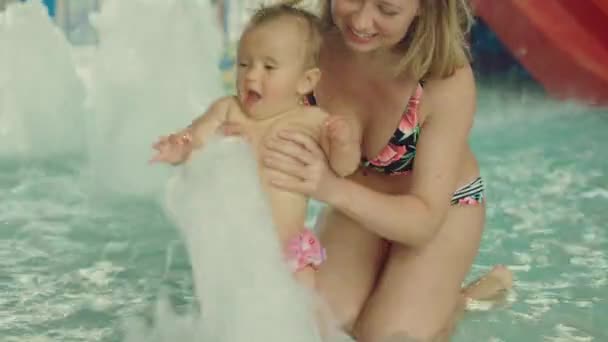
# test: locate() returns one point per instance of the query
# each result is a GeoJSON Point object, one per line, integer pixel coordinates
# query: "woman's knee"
{"type": "Point", "coordinates": [347, 277]}
{"type": "Point", "coordinates": [385, 336]}
{"type": "Point", "coordinates": [344, 295]}
{"type": "Point", "coordinates": [417, 295]}
{"type": "Point", "coordinates": [348, 314]}
{"type": "Point", "coordinates": [379, 332]}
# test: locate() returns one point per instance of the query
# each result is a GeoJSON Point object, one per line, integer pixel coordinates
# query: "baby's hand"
{"type": "Point", "coordinates": [339, 130]}
{"type": "Point", "coordinates": [173, 148]}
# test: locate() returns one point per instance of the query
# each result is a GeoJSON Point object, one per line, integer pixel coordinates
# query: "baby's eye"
{"type": "Point", "coordinates": [243, 64]}
{"type": "Point", "coordinates": [269, 67]}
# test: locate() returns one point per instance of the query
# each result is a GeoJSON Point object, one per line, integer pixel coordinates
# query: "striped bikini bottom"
{"type": "Point", "coordinates": [469, 194]}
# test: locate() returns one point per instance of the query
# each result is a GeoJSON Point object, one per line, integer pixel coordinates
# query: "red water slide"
{"type": "Point", "coordinates": [562, 43]}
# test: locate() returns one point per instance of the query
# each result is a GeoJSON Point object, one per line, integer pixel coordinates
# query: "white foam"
{"type": "Point", "coordinates": [596, 193]}
{"type": "Point", "coordinates": [41, 96]}
{"type": "Point", "coordinates": [244, 288]}
{"type": "Point", "coordinates": [154, 70]}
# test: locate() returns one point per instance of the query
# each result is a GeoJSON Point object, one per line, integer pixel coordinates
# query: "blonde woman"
{"type": "Point", "coordinates": [402, 232]}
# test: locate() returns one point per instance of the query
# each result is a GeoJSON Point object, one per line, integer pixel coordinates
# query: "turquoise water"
{"type": "Point", "coordinates": [74, 265]}
{"type": "Point", "coordinates": [85, 244]}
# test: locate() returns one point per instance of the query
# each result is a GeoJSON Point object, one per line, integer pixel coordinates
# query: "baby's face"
{"type": "Point", "coordinates": [270, 66]}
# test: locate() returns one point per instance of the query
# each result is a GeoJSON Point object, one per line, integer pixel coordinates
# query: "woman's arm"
{"type": "Point", "coordinates": [414, 218]}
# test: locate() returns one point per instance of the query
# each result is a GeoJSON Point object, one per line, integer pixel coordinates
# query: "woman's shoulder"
{"type": "Point", "coordinates": [461, 78]}
{"type": "Point", "coordinates": [450, 94]}
{"type": "Point", "coordinates": [307, 119]}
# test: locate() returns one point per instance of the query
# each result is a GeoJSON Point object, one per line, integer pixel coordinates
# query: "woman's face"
{"type": "Point", "coordinates": [368, 25]}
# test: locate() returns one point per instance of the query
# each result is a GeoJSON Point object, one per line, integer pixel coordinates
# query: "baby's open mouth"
{"type": "Point", "coordinates": [251, 98]}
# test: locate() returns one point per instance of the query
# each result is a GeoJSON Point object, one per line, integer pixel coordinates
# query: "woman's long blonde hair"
{"type": "Point", "coordinates": [436, 42]}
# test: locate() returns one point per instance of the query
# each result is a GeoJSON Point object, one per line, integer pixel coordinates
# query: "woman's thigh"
{"type": "Point", "coordinates": [347, 277]}
{"type": "Point", "coordinates": [419, 289]}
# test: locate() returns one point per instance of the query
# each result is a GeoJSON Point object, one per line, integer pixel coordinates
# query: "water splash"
{"type": "Point", "coordinates": [243, 286]}
{"type": "Point", "coordinates": [41, 96]}
{"type": "Point", "coordinates": [154, 70]}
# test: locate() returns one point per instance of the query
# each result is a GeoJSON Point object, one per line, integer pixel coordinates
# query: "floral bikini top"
{"type": "Point", "coordinates": [397, 157]}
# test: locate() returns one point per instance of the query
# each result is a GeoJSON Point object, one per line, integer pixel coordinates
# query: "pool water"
{"type": "Point", "coordinates": [85, 240]}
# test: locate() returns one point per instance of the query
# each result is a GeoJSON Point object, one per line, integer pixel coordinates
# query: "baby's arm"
{"type": "Point", "coordinates": [176, 148]}
{"type": "Point", "coordinates": [342, 140]}
{"type": "Point", "coordinates": [206, 125]}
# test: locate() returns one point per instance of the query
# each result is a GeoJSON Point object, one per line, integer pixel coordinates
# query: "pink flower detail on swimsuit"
{"type": "Point", "coordinates": [468, 201]}
{"type": "Point", "coordinates": [303, 250]}
{"type": "Point", "coordinates": [409, 121]}
{"type": "Point", "coordinates": [389, 154]}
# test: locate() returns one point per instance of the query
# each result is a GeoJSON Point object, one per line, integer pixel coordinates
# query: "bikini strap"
{"type": "Point", "coordinates": [414, 101]}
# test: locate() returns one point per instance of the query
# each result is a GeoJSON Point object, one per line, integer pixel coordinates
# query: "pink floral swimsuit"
{"type": "Point", "coordinates": [397, 157]}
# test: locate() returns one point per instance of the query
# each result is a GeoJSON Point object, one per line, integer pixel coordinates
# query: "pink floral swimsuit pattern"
{"type": "Point", "coordinates": [304, 250]}
{"type": "Point", "coordinates": [397, 157]}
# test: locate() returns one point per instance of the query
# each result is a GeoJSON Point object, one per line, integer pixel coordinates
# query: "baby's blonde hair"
{"type": "Point", "coordinates": [436, 42]}
{"type": "Point", "coordinates": [312, 23]}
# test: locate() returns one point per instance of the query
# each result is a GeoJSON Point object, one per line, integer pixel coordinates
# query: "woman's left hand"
{"type": "Point", "coordinates": [300, 165]}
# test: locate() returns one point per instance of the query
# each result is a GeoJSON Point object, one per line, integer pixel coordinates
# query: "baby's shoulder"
{"type": "Point", "coordinates": [225, 102]}
{"type": "Point", "coordinates": [311, 115]}
{"type": "Point", "coordinates": [307, 120]}
{"type": "Point", "coordinates": [233, 109]}
{"type": "Point", "coordinates": [315, 111]}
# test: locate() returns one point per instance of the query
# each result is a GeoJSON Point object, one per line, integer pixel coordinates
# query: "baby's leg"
{"type": "Point", "coordinates": [321, 312]}
{"type": "Point", "coordinates": [303, 251]}
{"type": "Point", "coordinates": [306, 277]}
{"type": "Point", "coordinates": [304, 254]}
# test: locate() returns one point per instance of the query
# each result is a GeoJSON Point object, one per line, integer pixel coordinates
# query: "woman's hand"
{"type": "Point", "coordinates": [300, 166]}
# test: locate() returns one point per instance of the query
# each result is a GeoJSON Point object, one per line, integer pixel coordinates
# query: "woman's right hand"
{"type": "Point", "coordinates": [299, 165]}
